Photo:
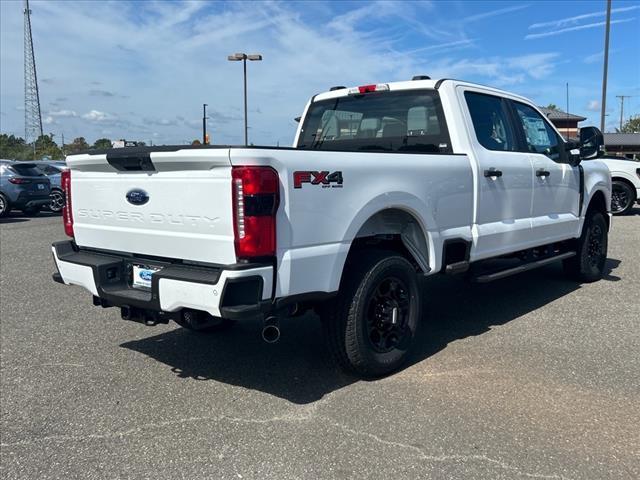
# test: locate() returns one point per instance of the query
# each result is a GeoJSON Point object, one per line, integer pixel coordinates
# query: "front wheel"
{"type": "Point", "coordinates": [371, 329]}
{"type": "Point", "coordinates": [622, 197]}
{"type": "Point", "coordinates": [591, 250]}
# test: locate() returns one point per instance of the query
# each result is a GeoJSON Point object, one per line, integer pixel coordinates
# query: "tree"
{"type": "Point", "coordinates": [78, 145]}
{"type": "Point", "coordinates": [630, 126]}
{"type": "Point", "coordinates": [102, 144]}
{"type": "Point", "coordinates": [552, 106]}
{"type": "Point", "coordinates": [46, 147]}
{"type": "Point", "coordinates": [14, 148]}
{"type": "Point", "coordinates": [196, 142]}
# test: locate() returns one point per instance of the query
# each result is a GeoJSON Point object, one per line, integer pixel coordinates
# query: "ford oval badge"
{"type": "Point", "coordinates": [137, 196]}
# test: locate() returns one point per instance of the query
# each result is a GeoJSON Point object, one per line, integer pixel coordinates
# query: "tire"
{"type": "Point", "coordinates": [591, 250]}
{"type": "Point", "coordinates": [32, 211]}
{"type": "Point", "coordinates": [57, 201]}
{"type": "Point", "coordinates": [371, 328]}
{"type": "Point", "coordinates": [5, 207]}
{"type": "Point", "coordinates": [202, 322]}
{"type": "Point", "coordinates": [623, 196]}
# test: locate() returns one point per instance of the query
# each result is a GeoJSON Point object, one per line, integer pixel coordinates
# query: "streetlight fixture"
{"type": "Point", "coordinates": [236, 57]}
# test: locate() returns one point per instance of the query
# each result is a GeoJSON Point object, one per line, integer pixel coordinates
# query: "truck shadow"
{"type": "Point", "coordinates": [298, 368]}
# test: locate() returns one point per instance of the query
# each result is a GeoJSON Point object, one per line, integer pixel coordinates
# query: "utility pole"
{"type": "Point", "coordinates": [606, 65]}
{"type": "Point", "coordinates": [622, 97]}
{"type": "Point", "coordinates": [567, 111]}
{"type": "Point", "coordinates": [204, 123]}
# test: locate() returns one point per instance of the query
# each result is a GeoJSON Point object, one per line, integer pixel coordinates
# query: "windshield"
{"type": "Point", "coordinates": [401, 121]}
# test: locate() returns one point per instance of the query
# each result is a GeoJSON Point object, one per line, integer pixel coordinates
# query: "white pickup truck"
{"type": "Point", "coordinates": [385, 183]}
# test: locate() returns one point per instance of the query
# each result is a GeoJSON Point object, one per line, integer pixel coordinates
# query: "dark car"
{"type": "Point", "coordinates": [23, 187]}
{"type": "Point", "coordinates": [53, 169]}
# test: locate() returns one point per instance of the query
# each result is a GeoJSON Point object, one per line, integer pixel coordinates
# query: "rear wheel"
{"type": "Point", "coordinates": [372, 327]}
{"type": "Point", "coordinates": [622, 197]}
{"type": "Point", "coordinates": [32, 211]}
{"type": "Point", "coordinates": [57, 201]}
{"type": "Point", "coordinates": [591, 251]}
{"type": "Point", "coordinates": [203, 322]}
{"type": "Point", "coordinates": [4, 206]}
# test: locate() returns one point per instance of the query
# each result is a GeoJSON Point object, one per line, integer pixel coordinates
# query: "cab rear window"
{"type": "Point", "coordinates": [401, 121]}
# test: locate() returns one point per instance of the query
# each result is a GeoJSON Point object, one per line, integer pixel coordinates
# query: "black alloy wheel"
{"type": "Point", "coordinates": [387, 314]}
{"type": "Point", "coordinates": [622, 197]}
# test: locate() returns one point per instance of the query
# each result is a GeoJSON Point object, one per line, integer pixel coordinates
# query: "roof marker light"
{"type": "Point", "coordinates": [380, 87]}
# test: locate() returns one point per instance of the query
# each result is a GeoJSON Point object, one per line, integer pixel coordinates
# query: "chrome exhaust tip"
{"type": "Point", "coordinates": [271, 330]}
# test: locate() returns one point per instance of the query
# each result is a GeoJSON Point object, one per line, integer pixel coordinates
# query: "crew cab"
{"type": "Point", "coordinates": [384, 183]}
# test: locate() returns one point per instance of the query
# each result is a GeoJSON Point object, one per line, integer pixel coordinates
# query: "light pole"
{"type": "Point", "coordinates": [204, 123]}
{"type": "Point", "coordinates": [236, 57]}
{"type": "Point", "coordinates": [606, 66]}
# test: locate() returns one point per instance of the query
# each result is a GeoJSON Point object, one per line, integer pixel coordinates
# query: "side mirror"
{"type": "Point", "coordinates": [591, 143]}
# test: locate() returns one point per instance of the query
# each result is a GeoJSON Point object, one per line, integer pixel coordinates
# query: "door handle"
{"type": "Point", "coordinates": [492, 172]}
{"type": "Point", "coordinates": [542, 173]}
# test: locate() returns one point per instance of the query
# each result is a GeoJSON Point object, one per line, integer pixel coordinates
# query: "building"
{"type": "Point", "coordinates": [626, 144]}
{"type": "Point", "coordinates": [566, 123]}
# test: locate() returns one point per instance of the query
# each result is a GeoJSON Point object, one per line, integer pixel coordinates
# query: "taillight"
{"type": "Point", "coordinates": [255, 202]}
{"type": "Point", "coordinates": [67, 216]}
{"type": "Point", "coordinates": [19, 181]}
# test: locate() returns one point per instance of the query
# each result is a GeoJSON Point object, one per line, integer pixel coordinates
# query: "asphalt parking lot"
{"type": "Point", "coordinates": [530, 377]}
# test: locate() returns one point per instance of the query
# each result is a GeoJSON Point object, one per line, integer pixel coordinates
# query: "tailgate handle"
{"type": "Point", "coordinates": [131, 163]}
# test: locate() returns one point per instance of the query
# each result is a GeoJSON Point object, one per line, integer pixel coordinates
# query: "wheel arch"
{"type": "Point", "coordinates": [397, 227]}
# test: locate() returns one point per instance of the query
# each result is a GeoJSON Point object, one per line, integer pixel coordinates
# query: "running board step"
{"type": "Point", "coordinates": [490, 277]}
{"type": "Point", "coordinates": [457, 267]}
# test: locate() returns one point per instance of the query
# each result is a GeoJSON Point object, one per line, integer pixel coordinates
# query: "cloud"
{"type": "Point", "coordinates": [531, 36]}
{"type": "Point", "coordinates": [597, 57]}
{"type": "Point", "coordinates": [163, 122]}
{"type": "Point", "coordinates": [96, 116]}
{"type": "Point", "coordinates": [63, 113]}
{"type": "Point", "coordinates": [48, 120]}
{"type": "Point", "coordinates": [577, 18]}
{"type": "Point", "coordinates": [594, 106]}
{"type": "Point", "coordinates": [101, 93]}
{"type": "Point", "coordinates": [492, 13]}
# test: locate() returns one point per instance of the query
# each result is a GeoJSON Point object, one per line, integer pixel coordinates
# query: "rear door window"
{"type": "Point", "coordinates": [490, 118]}
{"type": "Point", "coordinates": [400, 121]}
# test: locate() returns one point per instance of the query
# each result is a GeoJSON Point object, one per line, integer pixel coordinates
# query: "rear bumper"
{"type": "Point", "coordinates": [232, 291]}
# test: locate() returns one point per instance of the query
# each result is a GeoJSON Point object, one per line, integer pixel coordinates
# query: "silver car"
{"type": "Point", "coordinates": [23, 187]}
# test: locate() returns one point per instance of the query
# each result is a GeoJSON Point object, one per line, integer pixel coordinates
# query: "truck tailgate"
{"type": "Point", "coordinates": [178, 206]}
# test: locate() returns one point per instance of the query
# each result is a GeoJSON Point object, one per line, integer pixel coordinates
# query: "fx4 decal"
{"type": "Point", "coordinates": [326, 179]}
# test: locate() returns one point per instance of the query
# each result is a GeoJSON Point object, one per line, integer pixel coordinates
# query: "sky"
{"type": "Point", "coordinates": [142, 70]}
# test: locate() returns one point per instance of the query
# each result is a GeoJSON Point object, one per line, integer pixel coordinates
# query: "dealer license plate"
{"type": "Point", "coordinates": [142, 275]}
